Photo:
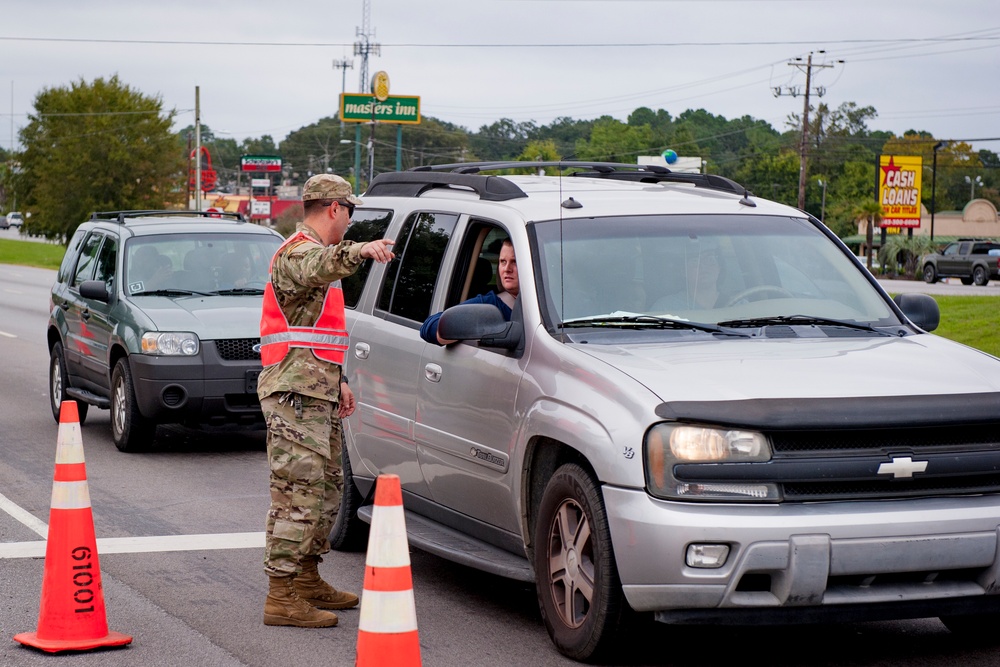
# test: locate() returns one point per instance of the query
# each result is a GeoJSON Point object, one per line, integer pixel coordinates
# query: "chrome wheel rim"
{"type": "Point", "coordinates": [56, 383]}
{"type": "Point", "coordinates": [571, 564]}
{"type": "Point", "coordinates": [118, 407]}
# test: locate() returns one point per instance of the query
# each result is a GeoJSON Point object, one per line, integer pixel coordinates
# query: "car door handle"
{"type": "Point", "coordinates": [362, 350]}
{"type": "Point", "coordinates": [432, 372]}
{"type": "Point", "coordinates": [85, 314]}
{"type": "Point", "coordinates": [64, 305]}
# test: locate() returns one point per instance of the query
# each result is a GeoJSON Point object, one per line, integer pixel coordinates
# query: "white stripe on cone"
{"type": "Point", "coordinates": [387, 545]}
{"type": "Point", "coordinates": [69, 443]}
{"type": "Point", "coordinates": [388, 612]}
{"type": "Point", "coordinates": [70, 495]}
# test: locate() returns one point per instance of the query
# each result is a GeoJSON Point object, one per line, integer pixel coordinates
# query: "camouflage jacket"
{"type": "Point", "coordinates": [301, 274]}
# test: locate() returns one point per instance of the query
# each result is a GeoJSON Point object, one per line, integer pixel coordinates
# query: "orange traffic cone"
{"type": "Point", "coordinates": [387, 627]}
{"type": "Point", "coordinates": [72, 615]}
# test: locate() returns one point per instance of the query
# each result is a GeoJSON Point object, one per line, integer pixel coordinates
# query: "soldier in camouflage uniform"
{"type": "Point", "coordinates": [304, 396]}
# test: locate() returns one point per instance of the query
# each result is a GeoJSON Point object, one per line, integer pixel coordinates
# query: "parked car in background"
{"type": "Point", "coordinates": [155, 315]}
{"type": "Point", "coordinates": [14, 219]}
{"type": "Point", "coordinates": [671, 422]}
{"type": "Point", "coordinates": [971, 260]}
{"type": "Point", "coordinates": [4, 223]}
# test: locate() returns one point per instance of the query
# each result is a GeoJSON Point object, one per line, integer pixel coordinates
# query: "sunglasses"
{"type": "Point", "coordinates": [346, 204]}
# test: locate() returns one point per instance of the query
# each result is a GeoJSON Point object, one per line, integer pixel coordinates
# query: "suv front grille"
{"type": "Point", "coordinates": [971, 444]}
{"type": "Point", "coordinates": [866, 441]}
{"type": "Point", "coordinates": [237, 349]}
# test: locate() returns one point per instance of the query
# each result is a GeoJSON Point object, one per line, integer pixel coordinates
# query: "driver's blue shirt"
{"type": "Point", "coordinates": [429, 330]}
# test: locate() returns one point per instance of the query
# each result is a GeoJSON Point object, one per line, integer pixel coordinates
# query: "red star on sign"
{"type": "Point", "coordinates": [889, 169]}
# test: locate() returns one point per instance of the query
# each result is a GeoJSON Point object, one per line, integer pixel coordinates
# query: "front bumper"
{"type": "Point", "coordinates": [204, 388]}
{"type": "Point", "coordinates": [898, 559]}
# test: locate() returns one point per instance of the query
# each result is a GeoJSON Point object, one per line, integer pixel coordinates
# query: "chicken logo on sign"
{"type": "Point", "coordinates": [209, 177]}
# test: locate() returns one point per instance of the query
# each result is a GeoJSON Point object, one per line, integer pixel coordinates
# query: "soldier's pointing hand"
{"type": "Point", "coordinates": [378, 250]}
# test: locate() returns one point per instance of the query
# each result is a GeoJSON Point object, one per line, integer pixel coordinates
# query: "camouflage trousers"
{"type": "Point", "coordinates": [303, 450]}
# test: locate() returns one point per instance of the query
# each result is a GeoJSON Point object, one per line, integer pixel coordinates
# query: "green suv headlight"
{"type": "Point", "coordinates": [170, 343]}
{"type": "Point", "coordinates": [670, 444]}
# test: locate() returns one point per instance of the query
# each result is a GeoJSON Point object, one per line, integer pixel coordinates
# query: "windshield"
{"type": "Point", "coordinates": [199, 264]}
{"type": "Point", "coordinates": [747, 271]}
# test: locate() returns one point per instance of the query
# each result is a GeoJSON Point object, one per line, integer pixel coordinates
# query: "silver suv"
{"type": "Point", "coordinates": [671, 423]}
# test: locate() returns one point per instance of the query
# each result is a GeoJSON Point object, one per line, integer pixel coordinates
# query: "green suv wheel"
{"type": "Point", "coordinates": [131, 431]}
{"type": "Point", "coordinates": [349, 533]}
{"type": "Point", "coordinates": [58, 384]}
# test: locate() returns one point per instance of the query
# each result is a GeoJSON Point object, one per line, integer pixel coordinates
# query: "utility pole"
{"type": "Point", "coordinates": [343, 64]}
{"type": "Point", "coordinates": [366, 47]}
{"type": "Point", "coordinates": [197, 148]}
{"type": "Point", "coordinates": [794, 91]}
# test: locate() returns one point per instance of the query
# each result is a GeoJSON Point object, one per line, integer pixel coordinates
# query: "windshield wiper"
{"type": "Point", "coordinates": [171, 291]}
{"type": "Point", "coordinates": [646, 322]}
{"type": "Point", "coordinates": [240, 290]}
{"type": "Point", "coordinates": [803, 319]}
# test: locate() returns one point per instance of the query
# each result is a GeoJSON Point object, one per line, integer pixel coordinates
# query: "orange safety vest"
{"type": "Point", "coordinates": [327, 337]}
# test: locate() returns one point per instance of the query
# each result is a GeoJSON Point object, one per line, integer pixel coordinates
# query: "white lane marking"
{"type": "Point", "coordinates": [149, 544]}
{"type": "Point", "coordinates": [24, 516]}
{"type": "Point", "coordinates": [8, 335]}
{"type": "Point", "coordinates": [124, 545]}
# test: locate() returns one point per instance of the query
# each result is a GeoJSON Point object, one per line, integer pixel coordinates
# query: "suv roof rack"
{"type": "Point", "coordinates": [640, 173]}
{"type": "Point", "coordinates": [121, 216]}
{"type": "Point", "coordinates": [415, 182]}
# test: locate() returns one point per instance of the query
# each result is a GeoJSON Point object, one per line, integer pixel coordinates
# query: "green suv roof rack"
{"type": "Point", "coordinates": [416, 181]}
{"type": "Point", "coordinates": [122, 216]}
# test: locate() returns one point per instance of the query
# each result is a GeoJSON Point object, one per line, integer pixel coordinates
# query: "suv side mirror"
{"type": "Point", "coordinates": [95, 289]}
{"type": "Point", "coordinates": [920, 309]}
{"type": "Point", "coordinates": [480, 322]}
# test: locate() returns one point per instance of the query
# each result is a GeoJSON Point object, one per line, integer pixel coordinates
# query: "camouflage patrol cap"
{"type": "Point", "coordinates": [328, 186]}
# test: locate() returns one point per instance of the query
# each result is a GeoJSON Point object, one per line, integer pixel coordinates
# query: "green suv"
{"type": "Point", "coordinates": [155, 315]}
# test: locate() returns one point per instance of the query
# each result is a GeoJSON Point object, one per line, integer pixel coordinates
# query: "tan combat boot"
{"type": "Point", "coordinates": [284, 607]}
{"type": "Point", "coordinates": [317, 592]}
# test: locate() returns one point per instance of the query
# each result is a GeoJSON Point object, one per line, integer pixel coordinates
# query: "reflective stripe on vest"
{"type": "Point", "coordinates": [327, 337]}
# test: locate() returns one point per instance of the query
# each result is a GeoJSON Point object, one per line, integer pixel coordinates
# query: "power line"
{"type": "Point", "coordinates": [500, 45]}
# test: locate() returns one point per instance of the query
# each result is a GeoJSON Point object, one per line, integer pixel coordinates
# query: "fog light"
{"type": "Point", "coordinates": [707, 555]}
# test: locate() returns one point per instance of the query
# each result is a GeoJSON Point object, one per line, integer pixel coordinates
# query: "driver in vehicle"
{"type": "Point", "coordinates": [700, 284]}
{"type": "Point", "coordinates": [504, 301]}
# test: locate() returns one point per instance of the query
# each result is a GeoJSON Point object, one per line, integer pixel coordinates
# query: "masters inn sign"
{"type": "Point", "coordinates": [357, 108]}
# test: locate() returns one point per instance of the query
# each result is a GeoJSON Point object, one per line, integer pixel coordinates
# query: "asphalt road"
{"type": "Point", "coordinates": [191, 590]}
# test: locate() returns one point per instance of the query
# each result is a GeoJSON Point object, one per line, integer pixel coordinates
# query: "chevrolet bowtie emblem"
{"type": "Point", "coordinates": [902, 466]}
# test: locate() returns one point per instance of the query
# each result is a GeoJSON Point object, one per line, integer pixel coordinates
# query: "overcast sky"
{"type": "Point", "coordinates": [267, 67]}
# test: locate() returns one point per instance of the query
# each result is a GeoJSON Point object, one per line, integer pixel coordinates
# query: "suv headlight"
{"type": "Point", "coordinates": [170, 343]}
{"type": "Point", "coordinates": [670, 444]}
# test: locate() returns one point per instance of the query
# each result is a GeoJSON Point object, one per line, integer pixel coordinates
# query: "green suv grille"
{"type": "Point", "coordinates": [237, 349]}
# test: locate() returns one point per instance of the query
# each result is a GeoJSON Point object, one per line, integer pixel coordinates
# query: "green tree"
{"type": "Point", "coordinates": [566, 132]}
{"type": "Point", "coordinates": [853, 184]}
{"type": "Point", "coordinates": [501, 140]}
{"type": "Point", "coordinates": [613, 141]}
{"type": "Point", "coordinates": [95, 147]}
{"type": "Point", "coordinates": [772, 176]}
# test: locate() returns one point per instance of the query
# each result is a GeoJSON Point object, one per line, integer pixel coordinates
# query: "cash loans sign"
{"type": "Point", "coordinates": [899, 190]}
{"type": "Point", "coordinates": [356, 108]}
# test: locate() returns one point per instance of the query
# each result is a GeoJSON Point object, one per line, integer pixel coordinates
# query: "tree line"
{"type": "Point", "coordinates": [103, 145]}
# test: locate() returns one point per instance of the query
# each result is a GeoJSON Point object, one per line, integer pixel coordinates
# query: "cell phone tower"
{"type": "Point", "coordinates": [366, 46]}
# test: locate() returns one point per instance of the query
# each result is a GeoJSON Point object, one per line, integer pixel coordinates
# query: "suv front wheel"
{"type": "Point", "coordinates": [930, 274]}
{"type": "Point", "coordinates": [579, 593]}
{"type": "Point", "coordinates": [59, 383]}
{"type": "Point", "coordinates": [131, 431]}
